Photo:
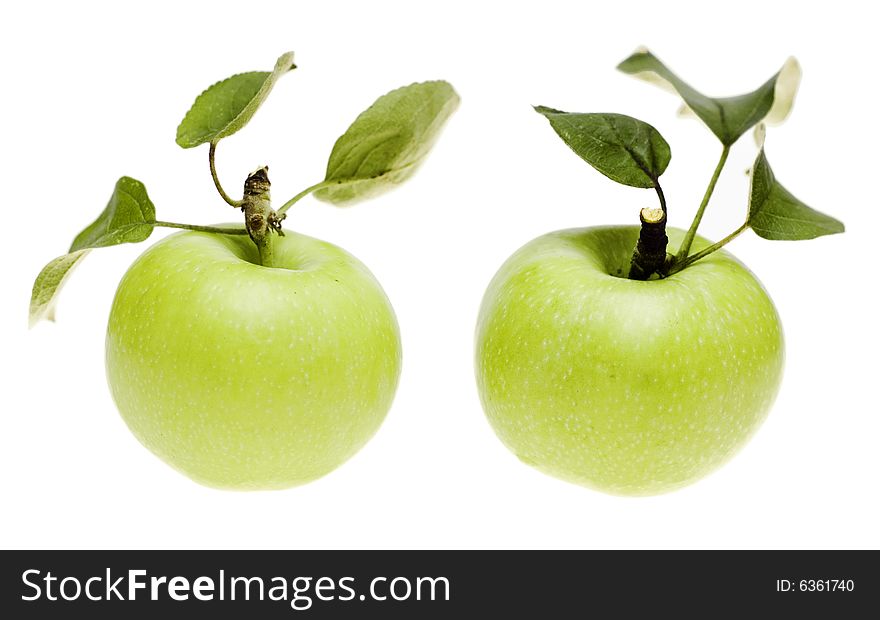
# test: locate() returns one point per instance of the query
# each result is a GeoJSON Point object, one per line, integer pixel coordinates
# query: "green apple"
{"type": "Point", "coordinates": [244, 357]}
{"type": "Point", "coordinates": [248, 377]}
{"type": "Point", "coordinates": [630, 387]}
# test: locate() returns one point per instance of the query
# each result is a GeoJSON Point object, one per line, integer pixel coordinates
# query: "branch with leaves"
{"type": "Point", "coordinates": [382, 148]}
{"type": "Point", "coordinates": [634, 153]}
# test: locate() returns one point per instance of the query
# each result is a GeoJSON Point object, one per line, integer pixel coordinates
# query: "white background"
{"type": "Point", "coordinates": [93, 92]}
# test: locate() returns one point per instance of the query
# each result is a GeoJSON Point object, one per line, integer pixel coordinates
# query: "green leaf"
{"type": "Point", "coordinates": [774, 213]}
{"type": "Point", "coordinates": [386, 143]}
{"type": "Point", "coordinates": [48, 283]}
{"type": "Point", "coordinates": [622, 148]}
{"type": "Point", "coordinates": [128, 218]}
{"type": "Point", "coordinates": [729, 117]}
{"type": "Point", "coordinates": [227, 106]}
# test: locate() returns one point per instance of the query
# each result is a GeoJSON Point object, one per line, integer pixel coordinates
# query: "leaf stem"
{"type": "Point", "coordinates": [660, 195]}
{"type": "Point", "coordinates": [302, 195]}
{"type": "Point", "coordinates": [692, 231]}
{"type": "Point", "coordinates": [209, 229]}
{"type": "Point", "coordinates": [231, 201]}
{"type": "Point", "coordinates": [690, 260]}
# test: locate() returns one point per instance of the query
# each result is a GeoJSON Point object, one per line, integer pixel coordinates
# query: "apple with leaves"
{"type": "Point", "coordinates": [637, 359]}
{"type": "Point", "coordinates": [249, 357]}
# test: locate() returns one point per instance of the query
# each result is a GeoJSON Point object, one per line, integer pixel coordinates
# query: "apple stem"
{"type": "Point", "coordinates": [260, 220]}
{"type": "Point", "coordinates": [649, 256]}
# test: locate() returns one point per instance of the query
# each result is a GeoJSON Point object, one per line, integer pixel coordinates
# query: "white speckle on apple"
{"type": "Point", "coordinates": [653, 384]}
{"type": "Point", "coordinates": [248, 377]}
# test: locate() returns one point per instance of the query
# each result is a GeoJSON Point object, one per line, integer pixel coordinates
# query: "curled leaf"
{"type": "Point", "coordinates": [385, 144]}
{"type": "Point", "coordinates": [228, 105]}
{"type": "Point", "coordinates": [727, 117]}
{"type": "Point", "coordinates": [129, 217]}
{"type": "Point", "coordinates": [622, 148]}
{"type": "Point", "coordinates": [49, 283]}
{"type": "Point", "coordinates": [787, 82]}
{"type": "Point", "coordinates": [774, 213]}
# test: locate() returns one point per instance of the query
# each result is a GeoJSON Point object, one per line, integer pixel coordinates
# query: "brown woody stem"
{"type": "Point", "coordinates": [649, 256]}
{"type": "Point", "coordinates": [260, 220]}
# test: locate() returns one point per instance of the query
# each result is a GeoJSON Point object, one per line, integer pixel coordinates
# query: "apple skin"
{"type": "Point", "coordinates": [627, 387]}
{"type": "Point", "coordinates": [247, 377]}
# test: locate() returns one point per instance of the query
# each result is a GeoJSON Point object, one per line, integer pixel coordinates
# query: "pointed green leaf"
{"type": "Point", "coordinates": [622, 148]}
{"type": "Point", "coordinates": [774, 213]}
{"type": "Point", "coordinates": [127, 218]}
{"type": "Point", "coordinates": [729, 117]}
{"type": "Point", "coordinates": [227, 106]}
{"type": "Point", "coordinates": [49, 283]}
{"type": "Point", "coordinates": [386, 143]}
